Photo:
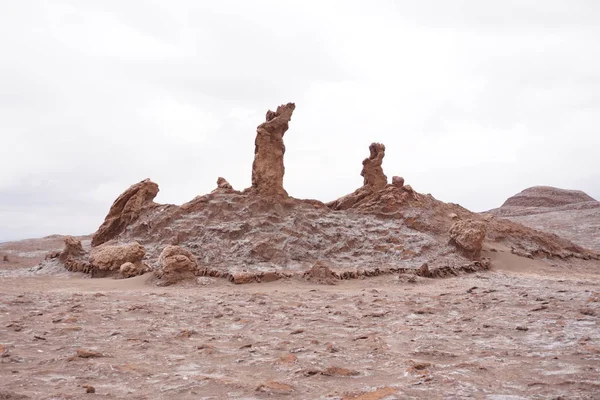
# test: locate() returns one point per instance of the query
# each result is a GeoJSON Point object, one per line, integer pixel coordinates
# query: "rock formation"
{"type": "Point", "coordinates": [262, 234]}
{"type": "Point", "coordinates": [571, 214]}
{"type": "Point", "coordinates": [468, 236]}
{"type": "Point", "coordinates": [374, 180]}
{"type": "Point", "coordinates": [268, 169]}
{"type": "Point", "coordinates": [398, 181]}
{"type": "Point", "coordinates": [108, 259]}
{"type": "Point", "coordinates": [129, 269]}
{"type": "Point", "coordinates": [125, 209]}
{"type": "Point", "coordinates": [176, 264]}
{"type": "Point", "coordinates": [223, 186]}
{"type": "Point", "coordinates": [372, 171]}
{"type": "Point", "coordinates": [73, 256]}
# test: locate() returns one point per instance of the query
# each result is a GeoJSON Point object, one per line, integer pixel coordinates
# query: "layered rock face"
{"type": "Point", "coordinates": [571, 214]}
{"type": "Point", "coordinates": [125, 209]}
{"type": "Point", "coordinates": [268, 169]}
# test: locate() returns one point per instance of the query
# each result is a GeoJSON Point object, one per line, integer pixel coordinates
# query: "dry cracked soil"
{"type": "Point", "coordinates": [523, 330]}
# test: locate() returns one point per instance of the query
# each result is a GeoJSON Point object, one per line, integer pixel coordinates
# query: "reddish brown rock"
{"type": "Point", "coordinates": [372, 171]}
{"type": "Point", "coordinates": [129, 269]}
{"type": "Point", "coordinates": [321, 273]}
{"type": "Point", "coordinates": [176, 264]}
{"type": "Point", "coordinates": [398, 181]}
{"type": "Point", "coordinates": [468, 236]}
{"type": "Point", "coordinates": [268, 168]}
{"type": "Point", "coordinates": [5, 258]}
{"type": "Point", "coordinates": [108, 259]}
{"type": "Point", "coordinates": [125, 209]}
{"type": "Point", "coordinates": [72, 249]}
{"type": "Point", "coordinates": [73, 256]}
{"type": "Point", "coordinates": [373, 180]}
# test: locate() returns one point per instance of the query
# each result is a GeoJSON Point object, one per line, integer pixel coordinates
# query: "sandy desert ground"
{"type": "Point", "coordinates": [524, 330]}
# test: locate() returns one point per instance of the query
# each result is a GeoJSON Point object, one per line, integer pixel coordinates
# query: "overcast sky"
{"type": "Point", "coordinates": [474, 100]}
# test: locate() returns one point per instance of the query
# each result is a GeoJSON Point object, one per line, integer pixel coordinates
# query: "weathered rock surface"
{"type": "Point", "coordinates": [571, 214]}
{"type": "Point", "coordinates": [398, 181]}
{"type": "Point", "coordinates": [468, 236]}
{"type": "Point", "coordinates": [126, 209]}
{"type": "Point", "coordinates": [223, 186]}
{"type": "Point", "coordinates": [129, 269]}
{"type": "Point", "coordinates": [372, 171]}
{"type": "Point", "coordinates": [73, 256]}
{"type": "Point", "coordinates": [108, 259]}
{"type": "Point", "coordinates": [176, 264]}
{"type": "Point", "coordinates": [268, 169]}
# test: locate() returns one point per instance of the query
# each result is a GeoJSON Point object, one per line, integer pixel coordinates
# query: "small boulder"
{"type": "Point", "coordinates": [176, 264]}
{"type": "Point", "coordinates": [108, 259]}
{"type": "Point", "coordinates": [321, 273]}
{"type": "Point", "coordinates": [468, 236]}
{"type": "Point", "coordinates": [129, 269]}
{"type": "Point", "coordinates": [5, 258]}
{"type": "Point", "coordinates": [398, 181]}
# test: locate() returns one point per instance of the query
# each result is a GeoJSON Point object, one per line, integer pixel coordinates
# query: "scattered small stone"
{"type": "Point", "coordinates": [89, 388]}
{"type": "Point", "coordinates": [275, 387]}
{"type": "Point", "coordinates": [540, 308]}
{"type": "Point", "coordinates": [39, 337]}
{"type": "Point", "coordinates": [339, 371]}
{"type": "Point", "coordinates": [246, 346]}
{"type": "Point", "coordinates": [522, 328]}
{"type": "Point", "coordinates": [297, 331]}
{"type": "Point", "coordinates": [83, 353]}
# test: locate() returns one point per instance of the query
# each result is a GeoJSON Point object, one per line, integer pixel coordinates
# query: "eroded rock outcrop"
{"type": "Point", "coordinates": [468, 236]}
{"type": "Point", "coordinates": [108, 259]}
{"type": "Point", "coordinates": [125, 209]}
{"type": "Point", "coordinates": [176, 264]}
{"type": "Point", "coordinates": [374, 180]}
{"type": "Point", "coordinates": [73, 256]}
{"type": "Point", "coordinates": [372, 171]}
{"type": "Point", "coordinates": [268, 168]}
{"type": "Point", "coordinates": [223, 186]}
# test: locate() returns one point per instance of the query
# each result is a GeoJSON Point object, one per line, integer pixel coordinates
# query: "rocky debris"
{"type": "Point", "coordinates": [398, 181]}
{"type": "Point", "coordinates": [176, 264]}
{"type": "Point", "coordinates": [108, 259]}
{"type": "Point", "coordinates": [125, 209]}
{"type": "Point", "coordinates": [129, 269]}
{"type": "Point", "coordinates": [89, 388]}
{"type": "Point", "coordinates": [85, 353]}
{"type": "Point", "coordinates": [268, 168]}
{"type": "Point", "coordinates": [6, 395]}
{"type": "Point", "coordinates": [378, 394]}
{"type": "Point", "coordinates": [372, 171]}
{"type": "Point", "coordinates": [321, 273]}
{"type": "Point", "coordinates": [468, 236]}
{"type": "Point", "coordinates": [274, 387]}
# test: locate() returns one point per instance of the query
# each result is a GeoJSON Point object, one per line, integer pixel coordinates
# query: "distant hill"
{"type": "Point", "coordinates": [571, 214]}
